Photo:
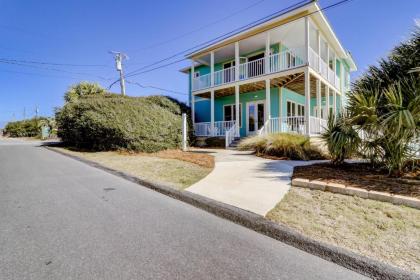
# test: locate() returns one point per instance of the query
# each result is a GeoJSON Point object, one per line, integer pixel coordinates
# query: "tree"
{"type": "Point", "coordinates": [384, 107]}
{"type": "Point", "coordinates": [83, 89]}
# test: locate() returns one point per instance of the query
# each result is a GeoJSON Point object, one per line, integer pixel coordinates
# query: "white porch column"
{"type": "Point", "coordinates": [328, 62]}
{"type": "Point", "coordinates": [327, 101]}
{"type": "Point", "coordinates": [318, 98]}
{"type": "Point", "coordinates": [334, 67]}
{"type": "Point", "coordinates": [267, 99]}
{"type": "Point", "coordinates": [212, 112]}
{"type": "Point", "coordinates": [193, 108]}
{"type": "Point", "coordinates": [335, 102]}
{"type": "Point", "coordinates": [319, 50]}
{"type": "Point", "coordinates": [212, 69]}
{"type": "Point", "coordinates": [280, 102]}
{"type": "Point", "coordinates": [192, 75]}
{"type": "Point", "coordinates": [307, 102]}
{"type": "Point", "coordinates": [237, 61]}
{"type": "Point", "coordinates": [267, 53]}
{"type": "Point", "coordinates": [307, 40]}
{"type": "Point", "coordinates": [238, 120]}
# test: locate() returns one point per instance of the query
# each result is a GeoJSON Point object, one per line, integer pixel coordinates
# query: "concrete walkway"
{"type": "Point", "coordinates": [246, 181]}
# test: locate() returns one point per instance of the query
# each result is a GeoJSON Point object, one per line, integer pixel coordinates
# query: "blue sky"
{"type": "Point", "coordinates": [83, 31]}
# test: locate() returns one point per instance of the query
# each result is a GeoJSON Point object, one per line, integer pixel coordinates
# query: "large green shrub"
{"type": "Point", "coordinates": [25, 128]}
{"type": "Point", "coordinates": [110, 121]}
{"type": "Point", "coordinates": [292, 146]}
{"type": "Point", "coordinates": [341, 138]}
{"type": "Point", "coordinates": [384, 107]}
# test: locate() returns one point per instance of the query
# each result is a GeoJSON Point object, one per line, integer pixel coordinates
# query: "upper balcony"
{"type": "Point", "coordinates": [288, 46]}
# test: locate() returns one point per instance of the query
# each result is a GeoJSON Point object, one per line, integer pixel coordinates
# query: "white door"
{"type": "Point", "coordinates": [255, 116]}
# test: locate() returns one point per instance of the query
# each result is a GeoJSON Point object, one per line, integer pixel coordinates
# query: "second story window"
{"type": "Point", "coordinates": [196, 74]}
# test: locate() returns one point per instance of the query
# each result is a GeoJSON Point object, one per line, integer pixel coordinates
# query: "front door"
{"type": "Point", "coordinates": [255, 116]}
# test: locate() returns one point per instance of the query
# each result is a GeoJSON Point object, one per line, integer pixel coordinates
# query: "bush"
{"type": "Point", "coordinates": [25, 128]}
{"type": "Point", "coordinates": [110, 121]}
{"type": "Point", "coordinates": [342, 140]}
{"type": "Point", "coordinates": [292, 146]}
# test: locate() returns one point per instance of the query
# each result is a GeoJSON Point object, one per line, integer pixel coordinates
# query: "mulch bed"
{"type": "Point", "coordinates": [361, 175]}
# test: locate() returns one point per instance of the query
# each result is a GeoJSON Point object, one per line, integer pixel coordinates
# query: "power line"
{"type": "Point", "coordinates": [201, 27]}
{"type": "Point", "coordinates": [39, 74]}
{"type": "Point", "coordinates": [54, 69]}
{"type": "Point", "coordinates": [219, 37]}
{"type": "Point", "coordinates": [136, 72]}
{"type": "Point", "coordinates": [158, 88]}
{"type": "Point", "coordinates": [53, 63]}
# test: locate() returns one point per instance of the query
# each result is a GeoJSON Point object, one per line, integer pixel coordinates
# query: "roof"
{"type": "Point", "coordinates": [308, 8]}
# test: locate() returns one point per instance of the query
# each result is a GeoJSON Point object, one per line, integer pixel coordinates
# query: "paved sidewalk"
{"type": "Point", "coordinates": [246, 181]}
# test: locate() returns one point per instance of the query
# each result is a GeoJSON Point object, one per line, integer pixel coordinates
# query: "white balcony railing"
{"type": "Point", "coordinates": [295, 124]}
{"type": "Point", "coordinates": [201, 82]}
{"type": "Point", "coordinates": [322, 67]}
{"type": "Point", "coordinates": [331, 76]}
{"type": "Point", "coordinates": [314, 59]}
{"type": "Point", "coordinates": [337, 82]}
{"type": "Point", "coordinates": [317, 125]}
{"type": "Point", "coordinates": [220, 128]}
{"type": "Point", "coordinates": [284, 60]}
{"type": "Point", "coordinates": [252, 69]}
{"type": "Point", "coordinates": [224, 76]}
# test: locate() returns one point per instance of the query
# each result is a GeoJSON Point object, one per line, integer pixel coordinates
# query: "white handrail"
{"type": "Point", "coordinates": [230, 136]}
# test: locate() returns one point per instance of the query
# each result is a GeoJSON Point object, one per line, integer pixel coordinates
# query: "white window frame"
{"type": "Point", "coordinates": [296, 108]}
{"type": "Point", "coordinates": [233, 114]}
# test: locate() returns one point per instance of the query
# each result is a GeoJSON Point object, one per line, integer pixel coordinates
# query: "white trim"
{"type": "Point", "coordinates": [256, 102]}
{"type": "Point", "coordinates": [295, 105]}
{"type": "Point", "coordinates": [240, 112]}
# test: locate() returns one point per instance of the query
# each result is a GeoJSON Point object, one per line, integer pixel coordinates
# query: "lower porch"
{"type": "Point", "coordinates": [281, 104]}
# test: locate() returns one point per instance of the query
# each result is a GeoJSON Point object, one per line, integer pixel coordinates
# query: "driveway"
{"type": "Point", "coordinates": [246, 181]}
{"type": "Point", "coordinates": [62, 219]}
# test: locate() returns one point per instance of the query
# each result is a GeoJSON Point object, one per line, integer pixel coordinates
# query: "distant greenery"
{"type": "Point", "coordinates": [106, 121]}
{"type": "Point", "coordinates": [384, 110]}
{"type": "Point", "coordinates": [83, 89]}
{"type": "Point", "coordinates": [28, 128]}
{"type": "Point", "coordinates": [292, 146]}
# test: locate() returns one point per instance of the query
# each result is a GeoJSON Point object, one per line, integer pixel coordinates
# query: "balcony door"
{"type": "Point", "coordinates": [255, 116]}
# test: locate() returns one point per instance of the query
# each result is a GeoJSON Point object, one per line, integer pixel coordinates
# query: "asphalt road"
{"type": "Point", "coordinates": [61, 219]}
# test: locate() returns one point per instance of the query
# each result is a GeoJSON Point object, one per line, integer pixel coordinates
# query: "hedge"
{"type": "Point", "coordinates": [110, 122]}
{"type": "Point", "coordinates": [25, 128]}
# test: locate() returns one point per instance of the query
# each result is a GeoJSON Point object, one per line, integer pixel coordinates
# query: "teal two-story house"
{"type": "Point", "coordinates": [286, 74]}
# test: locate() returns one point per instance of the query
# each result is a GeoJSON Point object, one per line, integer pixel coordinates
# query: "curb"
{"type": "Point", "coordinates": [343, 257]}
{"type": "Point", "coordinates": [346, 190]}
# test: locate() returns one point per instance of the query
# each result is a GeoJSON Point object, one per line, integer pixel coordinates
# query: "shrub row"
{"type": "Point", "coordinates": [25, 128]}
{"type": "Point", "coordinates": [109, 122]}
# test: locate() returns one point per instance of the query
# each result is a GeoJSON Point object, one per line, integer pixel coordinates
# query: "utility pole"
{"type": "Point", "coordinates": [36, 111]}
{"type": "Point", "coordinates": [119, 57]}
{"type": "Point", "coordinates": [24, 113]}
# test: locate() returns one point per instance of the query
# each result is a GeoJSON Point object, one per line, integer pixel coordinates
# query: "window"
{"type": "Point", "coordinates": [229, 113]}
{"type": "Point", "coordinates": [196, 74]}
{"type": "Point", "coordinates": [295, 109]}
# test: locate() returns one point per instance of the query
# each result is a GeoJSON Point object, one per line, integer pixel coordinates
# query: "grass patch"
{"type": "Point", "coordinates": [175, 168]}
{"type": "Point", "coordinates": [282, 146]}
{"type": "Point", "coordinates": [383, 231]}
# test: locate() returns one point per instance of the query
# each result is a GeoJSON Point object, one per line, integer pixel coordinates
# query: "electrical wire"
{"type": "Point", "coordinates": [201, 27]}
{"type": "Point", "coordinates": [158, 88]}
{"type": "Point", "coordinates": [52, 63]}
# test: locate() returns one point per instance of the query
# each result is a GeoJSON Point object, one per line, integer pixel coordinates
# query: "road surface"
{"type": "Point", "coordinates": [62, 219]}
